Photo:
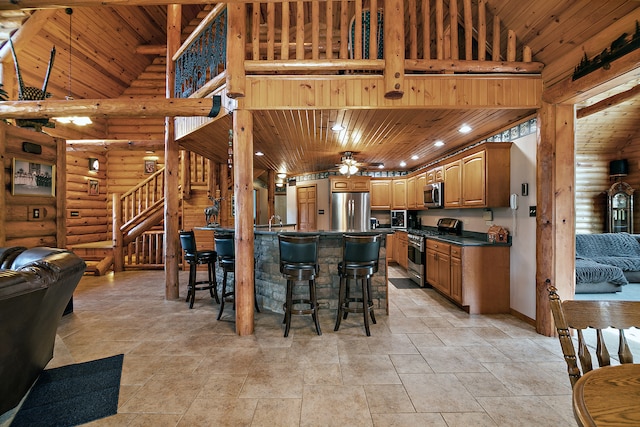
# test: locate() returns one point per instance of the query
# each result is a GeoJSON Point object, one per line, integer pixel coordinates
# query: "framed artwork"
{"type": "Point", "coordinates": [149, 166]}
{"type": "Point", "coordinates": [33, 178]}
{"type": "Point", "coordinates": [94, 187]}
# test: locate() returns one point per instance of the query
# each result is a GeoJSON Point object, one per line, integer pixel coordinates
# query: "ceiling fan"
{"type": "Point", "coordinates": [350, 166]}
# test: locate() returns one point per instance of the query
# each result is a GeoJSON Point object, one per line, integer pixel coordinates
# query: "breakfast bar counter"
{"type": "Point", "coordinates": [271, 286]}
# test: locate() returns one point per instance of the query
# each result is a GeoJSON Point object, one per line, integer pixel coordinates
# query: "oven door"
{"type": "Point", "coordinates": [415, 264]}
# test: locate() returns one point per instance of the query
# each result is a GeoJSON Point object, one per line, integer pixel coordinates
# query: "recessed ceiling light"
{"type": "Point", "coordinates": [403, 164]}
{"type": "Point", "coordinates": [282, 175]}
{"type": "Point", "coordinates": [438, 143]}
{"type": "Point", "coordinates": [414, 157]}
{"type": "Point", "coordinates": [381, 166]}
{"type": "Point", "coordinates": [337, 127]}
{"type": "Point", "coordinates": [259, 153]}
{"type": "Point", "coordinates": [465, 128]}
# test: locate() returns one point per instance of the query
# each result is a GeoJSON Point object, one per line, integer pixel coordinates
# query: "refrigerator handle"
{"type": "Point", "coordinates": [350, 215]}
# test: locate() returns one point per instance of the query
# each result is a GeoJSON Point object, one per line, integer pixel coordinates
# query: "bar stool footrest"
{"type": "Point", "coordinates": [312, 309]}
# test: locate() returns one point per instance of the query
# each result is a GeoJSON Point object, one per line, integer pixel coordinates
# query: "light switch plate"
{"type": "Point", "coordinates": [532, 211]}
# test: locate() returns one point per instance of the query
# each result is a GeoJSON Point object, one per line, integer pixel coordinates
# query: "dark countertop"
{"type": "Point", "coordinates": [275, 230]}
{"type": "Point", "coordinates": [468, 238]}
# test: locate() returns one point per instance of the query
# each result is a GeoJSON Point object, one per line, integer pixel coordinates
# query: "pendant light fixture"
{"type": "Point", "coordinates": [76, 120]}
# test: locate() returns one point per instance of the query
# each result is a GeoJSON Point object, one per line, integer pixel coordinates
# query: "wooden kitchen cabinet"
{"type": "Point", "coordinates": [452, 173]}
{"type": "Point", "coordinates": [439, 265]}
{"type": "Point", "coordinates": [399, 194]}
{"type": "Point", "coordinates": [401, 248]}
{"type": "Point", "coordinates": [411, 192]}
{"type": "Point", "coordinates": [389, 248]}
{"type": "Point", "coordinates": [474, 277]}
{"type": "Point", "coordinates": [480, 179]}
{"type": "Point", "coordinates": [380, 194]}
{"type": "Point", "coordinates": [421, 181]}
{"type": "Point", "coordinates": [434, 175]}
{"type": "Point", "coordinates": [352, 183]}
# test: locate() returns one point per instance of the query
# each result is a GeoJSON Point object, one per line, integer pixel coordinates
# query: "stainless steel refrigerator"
{"type": "Point", "coordinates": [350, 212]}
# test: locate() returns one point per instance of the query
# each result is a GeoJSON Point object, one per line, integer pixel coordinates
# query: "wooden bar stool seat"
{"type": "Point", "coordinates": [359, 262]}
{"type": "Point", "coordinates": [299, 262]}
{"type": "Point", "coordinates": [194, 258]}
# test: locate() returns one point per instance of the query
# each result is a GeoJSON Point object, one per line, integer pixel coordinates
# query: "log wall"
{"type": "Point", "coordinates": [86, 215]}
{"type": "Point", "coordinates": [593, 181]}
{"type": "Point", "coordinates": [20, 227]}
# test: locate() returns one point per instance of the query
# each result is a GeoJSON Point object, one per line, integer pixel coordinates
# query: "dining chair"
{"type": "Point", "coordinates": [581, 316]}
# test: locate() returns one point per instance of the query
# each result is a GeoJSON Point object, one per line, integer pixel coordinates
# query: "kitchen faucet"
{"type": "Point", "coordinates": [273, 217]}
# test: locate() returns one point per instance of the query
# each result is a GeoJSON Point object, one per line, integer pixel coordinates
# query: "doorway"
{"type": "Point", "coordinates": [307, 204]}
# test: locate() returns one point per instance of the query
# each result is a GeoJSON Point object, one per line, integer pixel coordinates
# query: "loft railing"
{"type": "Point", "coordinates": [327, 37]}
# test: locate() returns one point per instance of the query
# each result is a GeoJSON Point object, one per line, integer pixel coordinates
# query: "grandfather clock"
{"type": "Point", "coordinates": [620, 208]}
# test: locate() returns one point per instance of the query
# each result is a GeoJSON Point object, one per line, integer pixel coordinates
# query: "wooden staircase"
{"type": "Point", "coordinates": [97, 255]}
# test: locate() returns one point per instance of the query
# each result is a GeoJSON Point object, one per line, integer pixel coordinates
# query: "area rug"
{"type": "Point", "coordinates": [73, 394]}
{"type": "Point", "coordinates": [403, 283]}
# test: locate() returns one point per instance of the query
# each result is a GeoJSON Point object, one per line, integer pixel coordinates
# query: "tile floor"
{"type": "Point", "coordinates": [426, 364]}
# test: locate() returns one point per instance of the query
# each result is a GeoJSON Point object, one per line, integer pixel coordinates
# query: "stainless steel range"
{"type": "Point", "coordinates": [416, 265]}
{"type": "Point", "coordinates": [417, 258]}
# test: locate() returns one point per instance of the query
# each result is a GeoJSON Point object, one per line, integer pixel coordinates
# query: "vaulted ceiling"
{"type": "Point", "coordinates": [115, 53]}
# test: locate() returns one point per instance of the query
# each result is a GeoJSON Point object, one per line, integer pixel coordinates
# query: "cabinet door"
{"type": "Point", "coordinates": [389, 247]}
{"type": "Point", "coordinates": [432, 267]}
{"type": "Point", "coordinates": [456, 277]}
{"type": "Point", "coordinates": [340, 185]}
{"type": "Point", "coordinates": [473, 180]}
{"type": "Point", "coordinates": [421, 181]}
{"type": "Point", "coordinates": [444, 273]}
{"type": "Point", "coordinates": [452, 182]}
{"type": "Point", "coordinates": [399, 194]}
{"type": "Point", "coordinates": [381, 194]}
{"type": "Point", "coordinates": [411, 192]}
{"type": "Point", "coordinates": [360, 184]}
{"type": "Point", "coordinates": [438, 174]}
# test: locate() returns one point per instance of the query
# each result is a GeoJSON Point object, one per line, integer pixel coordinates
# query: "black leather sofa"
{"type": "Point", "coordinates": [35, 287]}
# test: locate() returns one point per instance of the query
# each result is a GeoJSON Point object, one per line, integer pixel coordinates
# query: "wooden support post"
{"type": "Point", "coordinates": [118, 248]}
{"type": "Point", "coordinates": [555, 220]}
{"type": "Point", "coordinates": [244, 238]}
{"type": "Point", "coordinates": [61, 191]}
{"type": "Point", "coordinates": [426, 32]}
{"type": "Point", "coordinates": [393, 49]}
{"type": "Point", "coordinates": [495, 54]}
{"type": "Point", "coordinates": [468, 31]}
{"type": "Point", "coordinates": [224, 193]}
{"type": "Point", "coordinates": [439, 29]}
{"type": "Point", "coordinates": [212, 178]}
{"type": "Point", "coordinates": [482, 30]}
{"type": "Point", "coordinates": [186, 174]}
{"type": "Point", "coordinates": [172, 164]}
{"type": "Point", "coordinates": [271, 193]}
{"type": "Point", "coordinates": [236, 34]}
{"type": "Point", "coordinates": [453, 28]}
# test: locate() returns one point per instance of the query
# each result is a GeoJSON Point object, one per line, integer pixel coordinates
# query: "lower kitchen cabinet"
{"type": "Point", "coordinates": [474, 277]}
{"type": "Point", "coordinates": [401, 248]}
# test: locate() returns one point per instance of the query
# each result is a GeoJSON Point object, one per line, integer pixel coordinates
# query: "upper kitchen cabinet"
{"type": "Point", "coordinates": [480, 178]}
{"type": "Point", "coordinates": [421, 181]}
{"type": "Point", "coordinates": [358, 184]}
{"type": "Point", "coordinates": [411, 193]}
{"type": "Point", "coordinates": [435, 175]}
{"type": "Point", "coordinates": [380, 194]}
{"type": "Point", "coordinates": [399, 193]}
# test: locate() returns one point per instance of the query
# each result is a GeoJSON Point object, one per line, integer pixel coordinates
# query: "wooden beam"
{"type": "Point", "coordinates": [119, 107]}
{"type": "Point", "coordinates": [569, 91]}
{"type": "Point", "coordinates": [393, 49]}
{"type": "Point", "coordinates": [27, 32]}
{"type": "Point", "coordinates": [609, 102]}
{"type": "Point", "coordinates": [213, 14]}
{"type": "Point", "coordinates": [85, 145]}
{"type": "Point", "coordinates": [271, 192]}
{"type": "Point", "coordinates": [61, 192]}
{"type": "Point", "coordinates": [152, 49]}
{"type": "Point", "coordinates": [464, 66]}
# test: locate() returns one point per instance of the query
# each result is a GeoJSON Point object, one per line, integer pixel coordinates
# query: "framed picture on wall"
{"type": "Point", "coordinates": [149, 166]}
{"type": "Point", "coordinates": [93, 187]}
{"type": "Point", "coordinates": [33, 178]}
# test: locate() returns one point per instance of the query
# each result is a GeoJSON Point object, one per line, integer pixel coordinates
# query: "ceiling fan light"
{"type": "Point", "coordinates": [353, 170]}
{"type": "Point", "coordinates": [344, 169]}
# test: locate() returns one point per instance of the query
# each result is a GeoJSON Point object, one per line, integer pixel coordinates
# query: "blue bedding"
{"type": "Point", "coordinates": [588, 271]}
{"type": "Point", "coordinates": [617, 249]}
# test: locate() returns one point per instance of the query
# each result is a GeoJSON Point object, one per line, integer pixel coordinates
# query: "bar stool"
{"type": "Point", "coordinates": [298, 262]}
{"type": "Point", "coordinates": [225, 246]}
{"type": "Point", "coordinates": [195, 257]}
{"type": "Point", "coordinates": [359, 262]}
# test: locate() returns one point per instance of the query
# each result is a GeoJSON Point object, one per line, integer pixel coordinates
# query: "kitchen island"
{"type": "Point", "coordinates": [271, 286]}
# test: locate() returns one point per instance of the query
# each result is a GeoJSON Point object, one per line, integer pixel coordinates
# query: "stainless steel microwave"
{"type": "Point", "coordinates": [434, 195]}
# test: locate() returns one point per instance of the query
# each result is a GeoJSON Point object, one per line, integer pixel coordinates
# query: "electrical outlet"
{"type": "Point", "coordinates": [532, 211]}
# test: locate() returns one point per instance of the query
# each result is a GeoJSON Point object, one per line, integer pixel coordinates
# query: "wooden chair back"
{"type": "Point", "coordinates": [598, 315]}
